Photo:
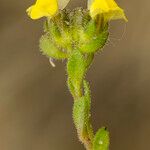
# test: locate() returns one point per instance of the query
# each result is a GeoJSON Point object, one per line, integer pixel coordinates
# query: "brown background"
{"type": "Point", "coordinates": [35, 105]}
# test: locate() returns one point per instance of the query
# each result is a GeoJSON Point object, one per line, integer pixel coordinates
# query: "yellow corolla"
{"type": "Point", "coordinates": [108, 8]}
{"type": "Point", "coordinates": [47, 8]}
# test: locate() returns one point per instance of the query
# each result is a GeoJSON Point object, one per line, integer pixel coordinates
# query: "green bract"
{"type": "Point", "coordinates": [71, 31]}
{"type": "Point", "coordinates": [101, 140]}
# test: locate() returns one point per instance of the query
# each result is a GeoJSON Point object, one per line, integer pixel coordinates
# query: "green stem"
{"type": "Point", "coordinates": [77, 67]}
{"type": "Point", "coordinates": [86, 133]}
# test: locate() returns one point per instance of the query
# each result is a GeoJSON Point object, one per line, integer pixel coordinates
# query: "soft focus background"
{"type": "Point", "coordinates": [35, 104]}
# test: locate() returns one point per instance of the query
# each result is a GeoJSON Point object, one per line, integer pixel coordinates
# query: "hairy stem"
{"type": "Point", "coordinates": [84, 126]}
{"type": "Point", "coordinates": [77, 67]}
{"type": "Point", "coordinates": [85, 134]}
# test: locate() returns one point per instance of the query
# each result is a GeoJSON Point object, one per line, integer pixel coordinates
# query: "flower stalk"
{"type": "Point", "coordinates": [76, 36]}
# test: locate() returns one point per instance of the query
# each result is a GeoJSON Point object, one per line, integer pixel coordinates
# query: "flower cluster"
{"type": "Point", "coordinates": [82, 29]}
{"type": "Point", "coordinates": [49, 8]}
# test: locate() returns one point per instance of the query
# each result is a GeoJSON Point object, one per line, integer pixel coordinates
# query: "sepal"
{"type": "Point", "coordinates": [50, 50]}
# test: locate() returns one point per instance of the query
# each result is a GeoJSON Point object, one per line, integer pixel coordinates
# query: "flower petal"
{"type": "Point", "coordinates": [47, 8]}
{"type": "Point", "coordinates": [109, 9]}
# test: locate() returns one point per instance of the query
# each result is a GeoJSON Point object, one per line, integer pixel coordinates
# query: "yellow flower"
{"type": "Point", "coordinates": [47, 8]}
{"type": "Point", "coordinates": [108, 8]}
{"type": "Point", "coordinates": [42, 8]}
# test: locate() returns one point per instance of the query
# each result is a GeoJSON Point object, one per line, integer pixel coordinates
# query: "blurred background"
{"type": "Point", "coordinates": [35, 104]}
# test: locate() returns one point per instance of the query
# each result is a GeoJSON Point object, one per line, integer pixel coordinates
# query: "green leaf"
{"type": "Point", "coordinates": [101, 140]}
{"type": "Point", "coordinates": [50, 50]}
